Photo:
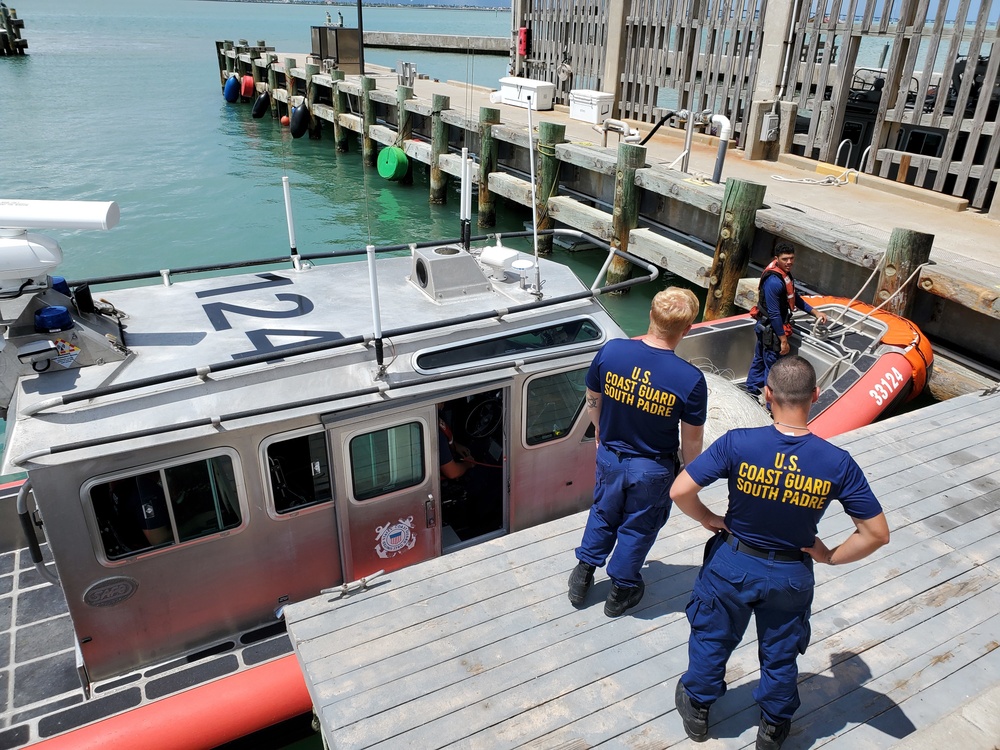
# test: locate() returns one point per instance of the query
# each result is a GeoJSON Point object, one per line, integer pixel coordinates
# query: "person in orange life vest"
{"type": "Point", "coordinates": [776, 301]}
{"type": "Point", "coordinates": [455, 458]}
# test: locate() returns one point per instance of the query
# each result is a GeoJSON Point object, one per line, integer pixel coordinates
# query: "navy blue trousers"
{"type": "Point", "coordinates": [763, 358]}
{"type": "Point", "coordinates": [631, 505]}
{"type": "Point", "coordinates": [730, 587]}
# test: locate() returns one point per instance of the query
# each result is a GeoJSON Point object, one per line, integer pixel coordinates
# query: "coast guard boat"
{"type": "Point", "coordinates": [201, 450]}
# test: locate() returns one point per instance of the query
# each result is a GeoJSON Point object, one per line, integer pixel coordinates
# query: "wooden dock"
{"type": "Point", "coordinates": [632, 196]}
{"type": "Point", "coordinates": [481, 648]}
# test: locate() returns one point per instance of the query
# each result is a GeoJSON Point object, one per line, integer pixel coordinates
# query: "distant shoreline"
{"type": "Point", "coordinates": [348, 4]}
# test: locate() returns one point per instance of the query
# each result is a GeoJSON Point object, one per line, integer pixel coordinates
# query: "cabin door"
{"type": "Point", "coordinates": [388, 486]}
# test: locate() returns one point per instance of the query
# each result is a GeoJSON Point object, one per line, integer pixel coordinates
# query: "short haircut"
{"type": "Point", "coordinates": [792, 381]}
{"type": "Point", "coordinates": [783, 248]}
{"type": "Point", "coordinates": [672, 311]}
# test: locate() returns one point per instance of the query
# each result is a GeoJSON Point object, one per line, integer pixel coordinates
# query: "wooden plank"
{"type": "Point", "coordinates": [593, 158]}
{"type": "Point", "coordinates": [572, 213]}
{"type": "Point", "coordinates": [672, 184]}
{"type": "Point", "coordinates": [510, 187]}
{"type": "Point", "coordinates": [383, 96]}
{"type": "Point", "coordinates": [671, 256]}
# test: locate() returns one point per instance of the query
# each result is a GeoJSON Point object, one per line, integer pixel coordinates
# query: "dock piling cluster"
{"type": "Point", "coordinates": [11, 42]}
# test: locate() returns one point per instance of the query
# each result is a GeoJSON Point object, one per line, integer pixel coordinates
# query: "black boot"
{"type": "Point", "coordinates": [693, 715]}
{"type": "Point", "coordinates": [622, 598]}
{"type": "Point", "coordinates": [580, 581]}
{"type": "Point", "coordinates": [770, 736]}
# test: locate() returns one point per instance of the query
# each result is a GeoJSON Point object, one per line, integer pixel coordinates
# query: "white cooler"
{"type": "Point", "coordinates": [590, 106]}
{"type": "Point", "coordinates": [516, 91]}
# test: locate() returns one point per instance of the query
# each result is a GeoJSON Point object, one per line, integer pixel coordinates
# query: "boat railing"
{"type": "Point", "coordinates": [494, 367]}
{"type": "Point", "coordinates": [202, 373]}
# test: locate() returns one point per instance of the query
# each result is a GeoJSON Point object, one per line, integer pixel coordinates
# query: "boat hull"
{"type": "Point", "coordinates": [868, 364]}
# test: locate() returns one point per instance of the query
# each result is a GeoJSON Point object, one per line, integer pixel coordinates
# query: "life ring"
{"type": "Point", "coordinates": [231, 91]}
{"type": "Point", "coordinates": [300, 120]}
{"type": "Point", "coordinates": [261, 106]}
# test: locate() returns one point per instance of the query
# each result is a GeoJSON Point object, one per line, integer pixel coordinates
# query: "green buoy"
{"type": "Point", "coordinates": [392, 162]}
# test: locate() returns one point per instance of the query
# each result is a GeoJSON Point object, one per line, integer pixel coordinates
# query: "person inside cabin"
{"type": "Point", "coordinates": [776, 301]}
{"type": "Point", "coordinates": [640, 394]}
{"type": "Point", "coordinates": [141, 500]}
{"type": "Point", "coordinates": [760, 560]}
{"type": "Point", "coordinates": [455, 458]}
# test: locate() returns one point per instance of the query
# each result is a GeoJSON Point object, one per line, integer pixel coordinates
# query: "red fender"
{"type": "Point", "coordinates": [201, 718]}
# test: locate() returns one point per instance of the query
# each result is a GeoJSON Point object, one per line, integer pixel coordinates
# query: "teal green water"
{"type": "Point", "coordinates": [120, 100]}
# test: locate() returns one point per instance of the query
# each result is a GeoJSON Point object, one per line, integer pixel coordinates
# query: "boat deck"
{"type": "Point", "coordinates": [481, 648]}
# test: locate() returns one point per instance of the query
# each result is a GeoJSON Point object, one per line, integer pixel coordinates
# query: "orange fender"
{"type": "Point", "coordinates": [201, 718]}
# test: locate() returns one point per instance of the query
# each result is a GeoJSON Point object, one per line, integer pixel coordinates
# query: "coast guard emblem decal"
{"type": "Point", "coordinates": [394, 538]}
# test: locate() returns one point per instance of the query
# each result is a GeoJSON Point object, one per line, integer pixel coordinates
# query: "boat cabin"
{"type": "Point", "coordinates": [203, 451]}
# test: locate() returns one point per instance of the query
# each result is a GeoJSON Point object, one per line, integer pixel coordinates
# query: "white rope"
{"type": "Point", "coordinates": [729, 407]}
{"type": "Point", "coordinates": [842, 179]}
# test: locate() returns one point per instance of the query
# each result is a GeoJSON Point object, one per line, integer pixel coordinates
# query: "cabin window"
{"type": "Point", "coordinates": [166, 506]}
{"type": "Point", "coordinates": [553, 404]}
{"type": "Point", "coordinates": [299, 471]}
{"type": "Point", "coordinates": [555, 335]}
{"type": "Point", "coordinates": [387, 460]}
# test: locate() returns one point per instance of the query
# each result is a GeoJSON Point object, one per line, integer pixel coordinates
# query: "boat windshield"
{"type": "Point", "coordinates": [551, 336]}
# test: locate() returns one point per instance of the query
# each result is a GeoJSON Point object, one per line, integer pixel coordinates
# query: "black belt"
{"type": "Point", "coordinates": [623, 454]}
{"type": "Point", "coordinates": [779, 555]}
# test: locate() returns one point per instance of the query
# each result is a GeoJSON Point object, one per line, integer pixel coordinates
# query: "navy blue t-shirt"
{"type": "Point", "coordinates": [646, 393]}
{"type": "Point", "coordinates": [780, 485]}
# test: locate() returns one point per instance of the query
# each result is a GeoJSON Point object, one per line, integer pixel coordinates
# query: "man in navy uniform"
{"type": "Point", "coordinates": [639, 393]}
{"type": "Point", "coordinates": [776, 301]}
{"type": "Point", "coordinates": [760, 562]}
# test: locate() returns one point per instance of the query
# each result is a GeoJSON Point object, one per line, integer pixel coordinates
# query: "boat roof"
{"type": "Point", "coordinates": [226, 319]}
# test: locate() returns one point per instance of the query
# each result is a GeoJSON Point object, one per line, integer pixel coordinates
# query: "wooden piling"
{"type": "Point", "coordinates": [339, 108]}
{"type": "Point", "coordinates": [625, 216]}
{"type": "Point", "coordinates": [272, 82]}
{"type": "Point", "coordinates": [257, 78]}
{"type": "Point", "coordinates": [547, 179]}
{"type": "Point", "coordinates": [290, 86]}
{"type": "Point", "coordinates": [368, 148]}
{"type": "Point", "coordinates": [315, 124]}
{"type": "Point", "coordinates": [227, 47]}
{"type": "Point", "coordinates": [489, 151]}
{"type": "Point", "coordinates": [732, 250]}
{"type": "Point", "coordinates": [404, 126]}
{"type": "Point", "coordinates": [439, 147]}
{"type": "Point", "coordinates": [219, 47]}
{"type": "Point", "coordinates": [907, 250]}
